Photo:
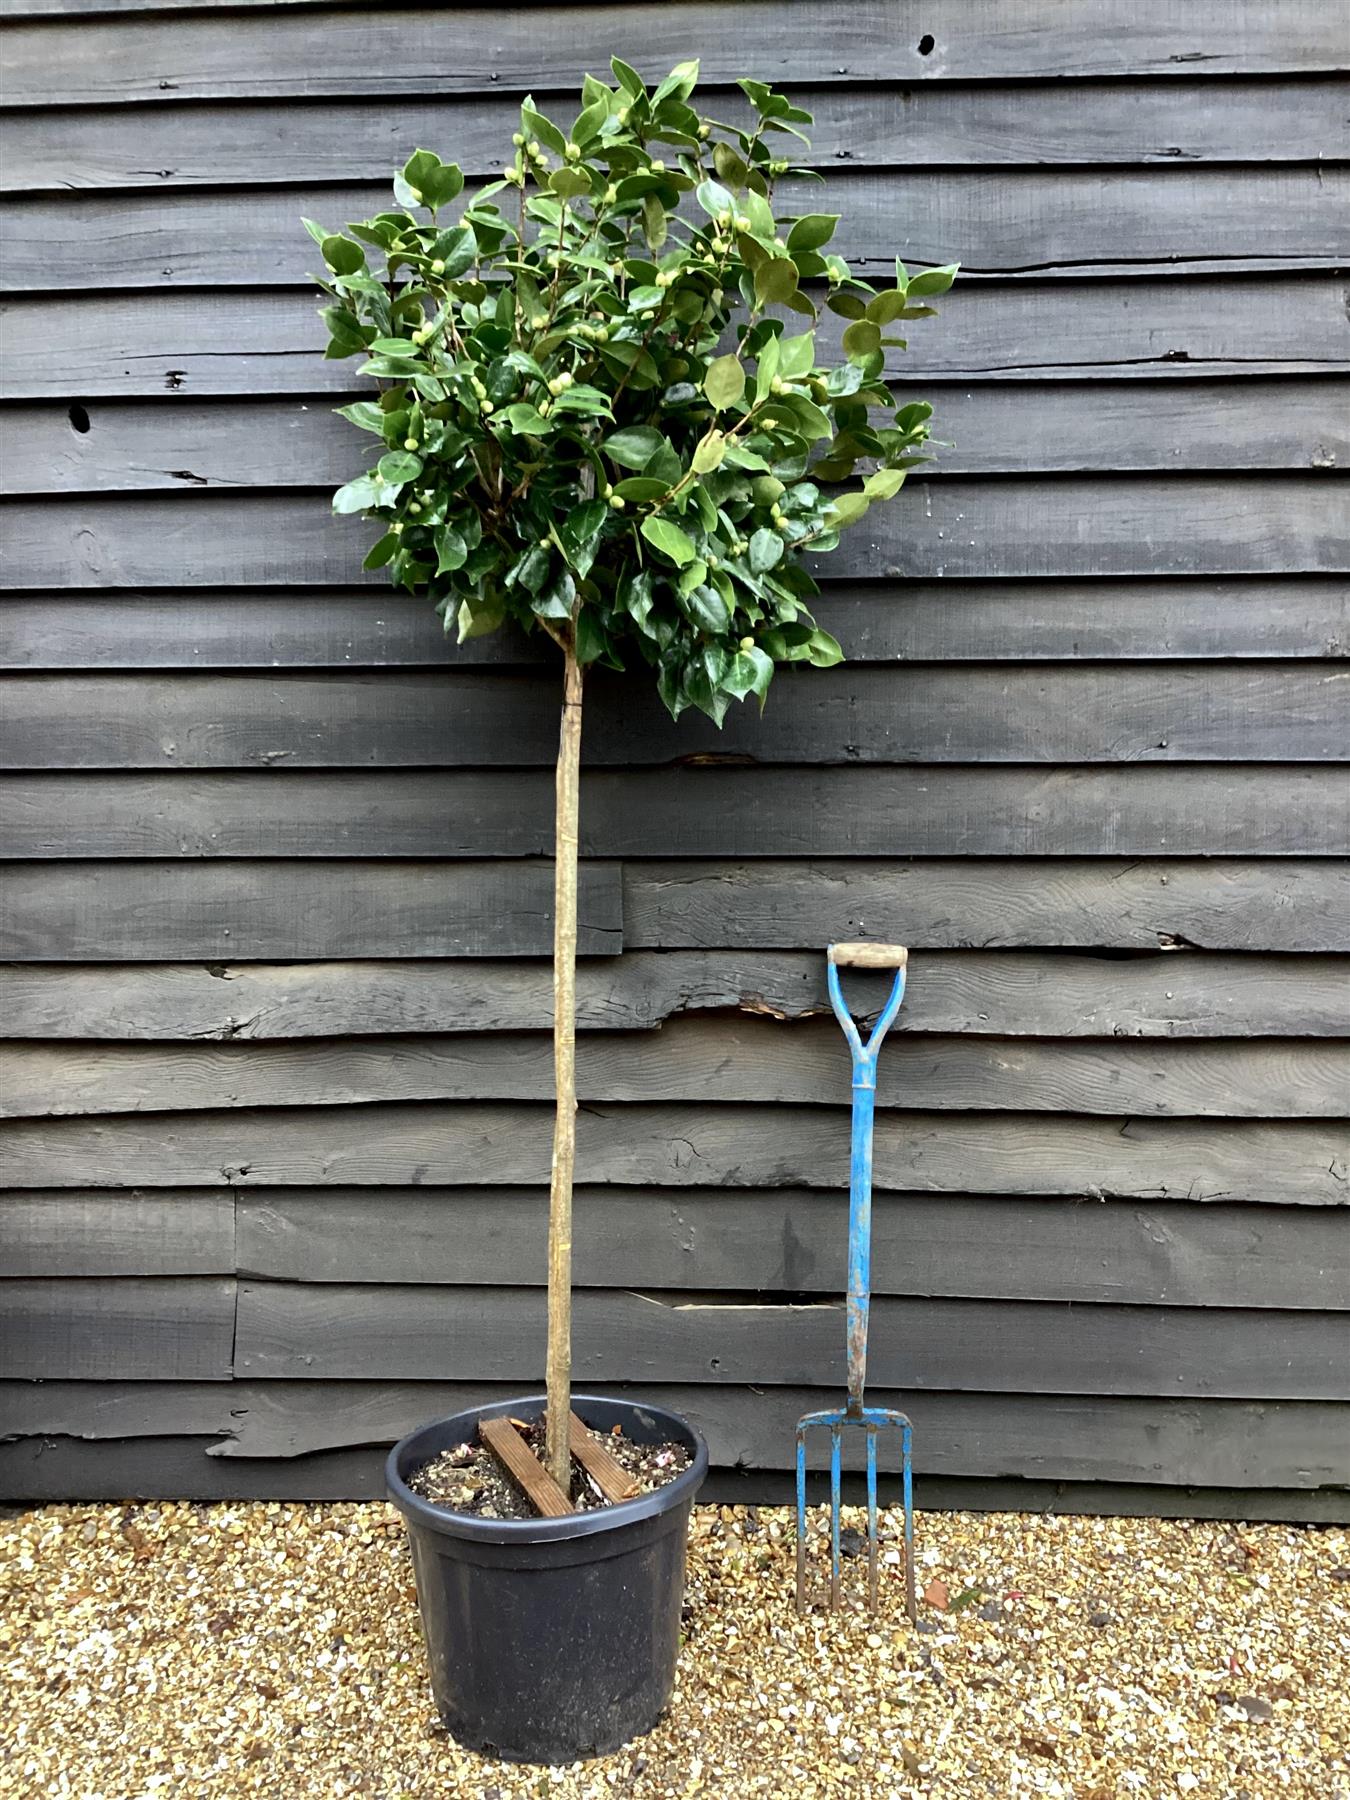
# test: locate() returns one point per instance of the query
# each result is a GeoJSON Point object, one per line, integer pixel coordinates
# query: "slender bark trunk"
{"type": "Point", "coordinates": [557, 1456]}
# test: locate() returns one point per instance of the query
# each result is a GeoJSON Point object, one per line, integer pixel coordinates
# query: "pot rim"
{"type": "Point", "coordinates": [470, 1526]}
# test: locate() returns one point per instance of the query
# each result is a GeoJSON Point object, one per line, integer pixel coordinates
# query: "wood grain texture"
{"type": "Point", "coordinates": [1254, 904]}
{"type": "Point", "coordinates": [958, 528]}
{"type": "Point", "coordinates": [115, 1233]}
{"type": "Point", "coordinates": [1295, 1444]}
{"type": "Point", "coordinates": [449, 50]}
{"type": "Point", "coordinates": [709, 1059]}
{"type": "Point", "coordinates": [223, 342]}
{"type": "Point", "coordinates": [919, 621]}
{"type": "Point", "coordinates": [1209, 712]}
{"type": "Point", "coordinates": [133, 1329]}
{"type": "Point", "coordinates": [1292, 1162]}
{"type": "Point", "coordinates": [790, 1241]}
{"type": "Point", "coordinates": [1003, 993]}
{"type": "Point", "coordinates": [1027, 222]}
{"type": "Point", "coordinates": [1012, 1346]}
{"type": "Point", "coordinates": [1236, 810]}
{"type": "Point", "coordinates": [938, 126]}
{"type": "Point", "coordinates": [91, 911]}
{"type": "Point", "coordinates": [995, 428]}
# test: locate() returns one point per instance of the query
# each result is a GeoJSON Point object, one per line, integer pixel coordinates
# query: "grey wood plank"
{"type": "Point", "coordinates": [220, 912]}
{"type": "Point", "coordinates": [1292, 1162]}
{"type": "Point", "coordinates": [1003, 993]}
{"type": "Point", "coordinates": [147, 1328]}
{"type": "Point", "coordinates": [38, 1471]}
{"type": "Point", "coordinates": [790, 1242]}
{"type": "Point", "coordinates": [987, 621]}
{"type": "Point", "coordinates": [448, 50]}
{"type": "Point", "coordinates": [252, 143]}
{"type": "Point", "coordinates": [1139, 905]}
{"type": "Point", "coordinates": [708, 810]}
{"type": "Point", "coordinates": [1028, 222]}
{"type": "Point", "coordinates": [1296, 1444]}
{"type": "Point", "coordinates": [222, 342]}
{"type": "Point", "coordinates": [960, 527]}
{"type": "Point", "coordinates": [1114, 713]}
{"type": "Point", "coordinates": [707, 1059]}
{"type": "Point", "coordinates": [409, 1333]}
{"type": "Point", "coordinates": [282, 909]}
{"type": "Point", "coordinates": [997, 428]}
{"type": "Point", "coordinates": [110, 1233]}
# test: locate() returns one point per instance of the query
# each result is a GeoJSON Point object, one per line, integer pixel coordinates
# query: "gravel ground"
{"type": "Point", "coordinates": [195, 1651]}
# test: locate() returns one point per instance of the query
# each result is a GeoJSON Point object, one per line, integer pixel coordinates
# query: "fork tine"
{"type": "Point", "coordinates": [801, 1518]}
{"type": "Point", "coordinates": [872, 1517]}
{"type": "Point", "coordinates": [906, 1449]}
{"type": "Point", "coordinates": [836, 1434]}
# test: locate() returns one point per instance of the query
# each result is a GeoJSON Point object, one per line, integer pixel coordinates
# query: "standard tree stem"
{"type": "Point", "coordinates": [557, 1454]}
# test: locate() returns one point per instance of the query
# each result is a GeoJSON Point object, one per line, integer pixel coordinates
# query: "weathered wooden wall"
{"type": "Point", "coordinates": [279, 888]}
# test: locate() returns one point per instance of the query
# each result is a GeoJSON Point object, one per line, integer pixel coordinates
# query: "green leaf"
{"type": "Point", "coordinates": [812, 231]}
{"type": "Point", "coordinates": [669, 540]}
{"type": "Point", "coordinates": [364, 413]}
{"type": "Point", "coordinates": [775, 281]}
{"type": "Point", "coordinates": [654, 227]}
{"type": "Point", "coordinates": [714, 198]}
{"type": "Point", "coordinates": [760, 214]}
{"type": "Point", "coordinates": [531, 572]}
{"type": "Point", "coordinates": [358, 495]}
{"type": "Point", "coordinates": [476, 618]}
{"type": "Point", "coordinates": [887, 306]}
{"type": "Point", "coordinates": [847, 509]}
{"type": "Point", "coordinates": [535, 125]}
{"type": "Point", "coordinates": [884, 484]}
{"type": "Point", "coordinates": [555, 602]}
{"type": "Point", "coordinates": [590, 120]}
{"type": "Point", "coordinates": [725, 382]}
{"type": "Point", "coordinates": [708, 453]}
{"type": "Point", "coordinates": [707, 609]}
{"type": "Point", "coordinates": [568, 183]}
{"type": "Point", "coordinates": [634, 446]}
{"type": "Point", "coordinates": [342, 255]}
{"type": "Point", "coordinates": [626, 358]}
{"type": "Point", "coordinates": [399, 466]}
{"type": "Point", "coordinates": [642, 488]}
{"type": "Point", "coordinates": [823, 651]}
{"type": "Point", "coordinates": [767, 367]}
{"type": "Point", "coordinates": [451, 551]}
{"type": "Point", "coordinates": [679, 82]}
{"type": "Point", "coordinates": [766, 549]}
{"type": "Point", "coordinates": [395, 347]}
{"type": "Point", "coordinates": [382, 551]}
{"type": "Point", "coordinates": [861, 339]}
{"type": "Point", "coordinates": [628, 78]}
{"type": "Point", "coordinates": [457, 248]}
{"type": "Point", "coordinates": [796, 356]}
{"type": "Point", "coordinates": [526, 419]}
{"type": "Point", "coordinates": [749, 672]}
{"type": "Point", "coordinates": [933, 281]}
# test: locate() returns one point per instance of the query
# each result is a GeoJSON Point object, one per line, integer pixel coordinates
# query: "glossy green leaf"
{"type": "Point", "coordinates": [933, 281]}
{"type": "Point", "coordinates": [666, 537]}
{"type": "Point", "coordinates": [634, 446]}
{"type": "Point", "coordinates": [724, 383]}
{"type": "Point", "coordinates": [812, 231]}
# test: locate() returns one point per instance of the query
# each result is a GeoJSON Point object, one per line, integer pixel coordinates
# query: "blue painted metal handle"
{"type": "Point", "coordinates": [860, 1175]}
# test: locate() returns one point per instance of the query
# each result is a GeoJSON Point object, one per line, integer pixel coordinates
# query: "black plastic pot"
{"type": "Point", "coordinates": [551, 1639]}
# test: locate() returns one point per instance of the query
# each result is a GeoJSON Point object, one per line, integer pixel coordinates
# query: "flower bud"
{"type": "Point", "coordinates": [410, 443]}
{"type": "Point", "coordinates": [777, 385]}
{"type": "Point", "coordinates": [742, 222]}
{"type": "Point", "coordinates": [517, 138]}
{"type": "Point", "coordinates": [616, 501]}
{"type": "Point", "coordinates": [747, 643]}
{"type": "Point", "coordinates": [533, 147]}
{"type": "Point", "coordinates": [438, 265]}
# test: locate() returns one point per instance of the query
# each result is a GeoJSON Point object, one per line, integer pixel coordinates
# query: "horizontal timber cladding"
{"type": "Point", "coordinates": [1027, 221]}
{"type": "Point", "coordinates": [1093, 713]}
{"type": "Point", "coordinates": [278, 908]}
{"type": "Point", "coordinates": [348, 1332]}
{"type": "Point", "coordinates": [1138, 905]}
{"type": "Point", "coordinates": [774, 1241]}
{"type": "Point", "coordinates": [1195, 809]}
{"type": "Point", "coordinates": [241, 143]}
{"type": "Point", "coordinates": [995, 428]}
{"type": "Point", "coordinates": [131, 912]}
{"type": "Point", "coordinates": [697, 1059]}
{"type": "Point", "coordinates": [958, 527]}
{"type": "Point", "coordinates": [458, 50]}
{"type": "Point", "coordinates": [919, 621]}
{"type": "Point", "coordinates": [998, 992]}
{"type": "Point", "coordinates": [1294, 1444]}
{"type": "Point", "coordinates": [1173, 1254]}
{"type": "Point", "coordinates": [131, 1329]}
{"type": "Point", "coordinates": [223, 342]}
{"type": "Point", "coordinates": [1295, 1162]}
{"type": "Point", "coordinates": [124, 911]}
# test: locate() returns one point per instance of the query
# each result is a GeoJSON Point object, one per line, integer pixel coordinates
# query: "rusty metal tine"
{"type": "Point", "coordinates": [801, 1518]}
{"type": "Point", "coordinates": [872, 1517]}
{"type": "Point", "coordinates": [836, 1437]}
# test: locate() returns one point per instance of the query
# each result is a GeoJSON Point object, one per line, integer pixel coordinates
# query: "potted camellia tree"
{"type": "Point", "coordinates": [603, 414]}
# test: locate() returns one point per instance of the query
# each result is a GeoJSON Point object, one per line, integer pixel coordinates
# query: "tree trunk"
{"type": "Point", "coordinates": [557, 1456]}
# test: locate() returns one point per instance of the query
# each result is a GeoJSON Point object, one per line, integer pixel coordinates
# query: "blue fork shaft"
{"type": "Point", "coordinates": [860, 1230]}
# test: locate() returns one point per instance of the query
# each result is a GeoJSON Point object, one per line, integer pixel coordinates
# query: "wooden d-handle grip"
{"type": "Point", "coordinates": [869, 956]}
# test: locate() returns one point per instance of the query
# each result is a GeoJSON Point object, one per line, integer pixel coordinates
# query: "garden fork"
{"type": "Point", "coordinates": [870, 1418]}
